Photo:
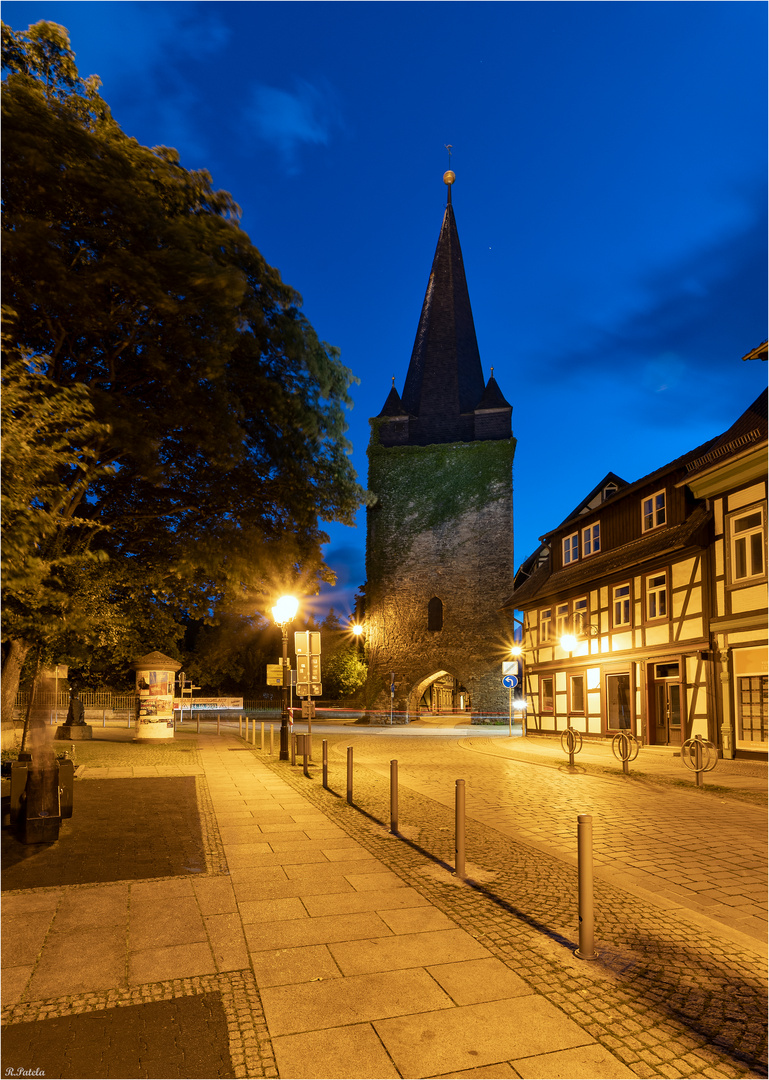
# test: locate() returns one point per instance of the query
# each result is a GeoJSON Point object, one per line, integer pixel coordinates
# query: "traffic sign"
{"type": "Point", "coordinates": [510, 681]}
{"type": "Point", "coordinates": [306, 642]}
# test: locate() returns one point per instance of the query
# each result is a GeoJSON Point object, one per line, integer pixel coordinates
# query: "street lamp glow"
{"type": "Point", "coordinates": [516, 650]}
{"type": "Point", "coordinates": [285, 610]}
{"type": "Point", "coordinates": [520, 704]}
{"type": "Point", "coordinates": [568, 642]}
{"type": "Point", "coordinates": [357, 629]}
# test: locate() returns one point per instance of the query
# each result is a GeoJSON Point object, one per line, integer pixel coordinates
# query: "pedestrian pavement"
{"type": "Point", "coordinates": [298, 950]}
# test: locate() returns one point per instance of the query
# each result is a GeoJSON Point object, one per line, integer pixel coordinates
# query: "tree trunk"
{"type": "Point", "coordinates": [13, 662]}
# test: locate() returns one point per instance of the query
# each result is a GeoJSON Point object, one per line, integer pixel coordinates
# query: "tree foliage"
{"type": "Point", "coordinates": [203, 434]}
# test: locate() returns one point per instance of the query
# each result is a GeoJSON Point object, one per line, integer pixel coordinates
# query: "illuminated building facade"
{"type": "Point", "coordinates": [645, 610]}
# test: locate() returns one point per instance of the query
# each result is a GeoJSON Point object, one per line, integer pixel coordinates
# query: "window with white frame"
{"type": "Point", "coordinates": [609, 490]}
{"type": "Point", "coordinates": [561, 620]}
{"type": "Point", "coordinates": [752, 708]}
{"type": "Point", "coordinates": [747, 542]}
{"type": "Point", "coordinates": [591, 538]}
{"type": "Point", "coordinates": [577, 693]}
{"type": "Point", "coordinates": [579, 617]}
{"type": "Point", "coordinates": [570, 549]}
{"type": "Point", "coordinates": [545, 624]}
{"type": "Point", "coordinates": [546, 700]}
{"type": "Point", "coordinates": [653, 511]}
{"type": "Point", "coordinates": [657, 596]}
{"type": "Point", "coordinates": [621, 605]}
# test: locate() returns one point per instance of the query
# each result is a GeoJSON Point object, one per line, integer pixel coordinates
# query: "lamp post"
{"type": "Point", "coordinates": [283, 613]}
{"type": "Point", "coordinates": [520, 706]}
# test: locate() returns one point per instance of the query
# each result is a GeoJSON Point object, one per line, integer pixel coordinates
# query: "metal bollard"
{"type": "Point", "coordinates": [240, 725]}
{"type": "Point", "coordinates": [218, 722]}
{"type": "Point", "coordinates": [261, 735]}
{"type": "Point", "coordinates": [293, 748]}
{"type": "Point", "coordinates": [272, 733]}
{"type": "Point", "coordinates": [459, 829]}
{"type": "Point", "coordinates": [394, 797]}
{"type": "Point", "coordinates": [325, 764]}
{"type": "Point", "coordinates": [253, 732]}
{"type": "Point", "coordinates": [104, 716]}
{"type": "Point", "coordinates": [305, 752]}
{"type": "Point", "coordinates": [586, 950]}
{"type": "Point", "coordinates": [129, 722]}
{"type": "Point", "coordinates": [349, 775]}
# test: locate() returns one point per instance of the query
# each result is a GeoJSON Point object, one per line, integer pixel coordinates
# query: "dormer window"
{"type": "Point", "coordinates": [653, 512]}
{"type": "Point", "coordinates": [570, 549]}
{"type": "Point", "coordinates": [591, 539]}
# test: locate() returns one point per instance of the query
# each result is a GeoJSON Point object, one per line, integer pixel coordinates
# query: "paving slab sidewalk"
{"type": "Point", "coordinates": [327, 963]}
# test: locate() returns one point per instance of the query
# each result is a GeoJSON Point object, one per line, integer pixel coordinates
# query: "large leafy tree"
{"type": "Point", "coordinates": [213, 445]}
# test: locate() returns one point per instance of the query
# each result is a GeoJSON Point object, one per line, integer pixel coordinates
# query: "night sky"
{"type": "Point", "coordinates": [610, 200]}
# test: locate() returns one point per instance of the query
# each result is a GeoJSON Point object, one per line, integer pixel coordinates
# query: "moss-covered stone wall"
{"type": "Point", "coordinates": [441, 525]}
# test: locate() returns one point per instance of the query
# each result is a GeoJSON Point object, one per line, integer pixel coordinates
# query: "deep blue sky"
{"type": "Point", "coordinates": [610, 199]}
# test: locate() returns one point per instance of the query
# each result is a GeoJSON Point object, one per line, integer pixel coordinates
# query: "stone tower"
{"type": "Point", "coordinates": [439, 545]}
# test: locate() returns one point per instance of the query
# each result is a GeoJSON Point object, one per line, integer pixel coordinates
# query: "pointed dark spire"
{"type": "Point", "coordinates": [445, 379]}
{"type": "Point", "coordinates": [445, 398]}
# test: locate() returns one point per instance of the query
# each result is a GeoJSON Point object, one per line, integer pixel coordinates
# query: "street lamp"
{"type": "Point", "coordinates": [520, 704]}
{"type": "Point", "coordinates": [283, 613]}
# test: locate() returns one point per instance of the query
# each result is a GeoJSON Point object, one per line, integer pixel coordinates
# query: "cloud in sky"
{"type": "Point", "coordinates": [694, 318]}
{"type": "Point", "coordinates": [292, 119]}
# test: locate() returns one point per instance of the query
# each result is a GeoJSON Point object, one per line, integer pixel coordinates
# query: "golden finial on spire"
{"type": "Point", "coordinates": [393, 382]}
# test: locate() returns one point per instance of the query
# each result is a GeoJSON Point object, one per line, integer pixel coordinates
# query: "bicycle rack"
{"type": "Point", "coordinates": [571, 743]}
{"type": "Point", "coordinates": [700, 756]}
{"type": "Point", "coordinates": [624, 746]}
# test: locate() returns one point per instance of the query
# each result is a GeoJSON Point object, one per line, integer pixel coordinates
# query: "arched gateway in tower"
{"type": "Point", "coordinates": [439, 545]}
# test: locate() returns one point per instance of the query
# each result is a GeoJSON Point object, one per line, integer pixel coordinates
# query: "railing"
{"type": "Point", "coordinates": [260, 705]}
{"type": "Point", "coordinates": [90, 700]}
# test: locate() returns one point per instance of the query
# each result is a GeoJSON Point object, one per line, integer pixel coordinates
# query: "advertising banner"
{"type": "Point", "coordinates": [209, 703]}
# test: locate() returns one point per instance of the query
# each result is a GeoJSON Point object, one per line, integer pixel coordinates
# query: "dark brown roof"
{"type": "Point", "coordinates": [749, 430]}
{"type": "Point", "coordinates": [761, 352]}
{"type": "Point", "coordinates": [393, 405]}
{"type": "Point", "coordinates": [543, 583]}
{"type": "Point", "coordinates": [493, 398]}
{"type": "Point", "coordinates": [445, 375]}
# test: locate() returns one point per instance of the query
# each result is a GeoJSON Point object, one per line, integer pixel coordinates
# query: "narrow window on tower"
{"type": "Point", "coordinates": [435, 614]}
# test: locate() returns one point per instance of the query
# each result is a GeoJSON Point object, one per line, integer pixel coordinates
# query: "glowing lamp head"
{"type": "Point", "coordinates": [519, 705]}
{"type": "Point", "coordinates": [285, 610]}
{"type": "Point", "coordinates": [568, 642]}
{"type": "Point", "coordinates": [357, 629]}
{"type": "Point", "coordinates": [516, 650]}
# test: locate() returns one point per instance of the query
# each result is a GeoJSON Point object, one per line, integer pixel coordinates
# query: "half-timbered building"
{"type": "Point", "coordinates": [645, 609]}
{"type": "Point", "coordinates": [731, 477]}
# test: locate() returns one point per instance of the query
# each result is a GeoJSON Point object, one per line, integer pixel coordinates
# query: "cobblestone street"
{"type": "Point", "coordinates": [673, 993]}
{"type": "Point", "coordinates": [307, 941]}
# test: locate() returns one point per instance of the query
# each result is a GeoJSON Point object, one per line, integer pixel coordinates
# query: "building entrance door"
{"type": "Point", "coordinates": [667, 705]}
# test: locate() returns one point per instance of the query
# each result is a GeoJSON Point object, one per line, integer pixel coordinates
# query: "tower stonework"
{"type": "Point", "coordinates": [439, 546]}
